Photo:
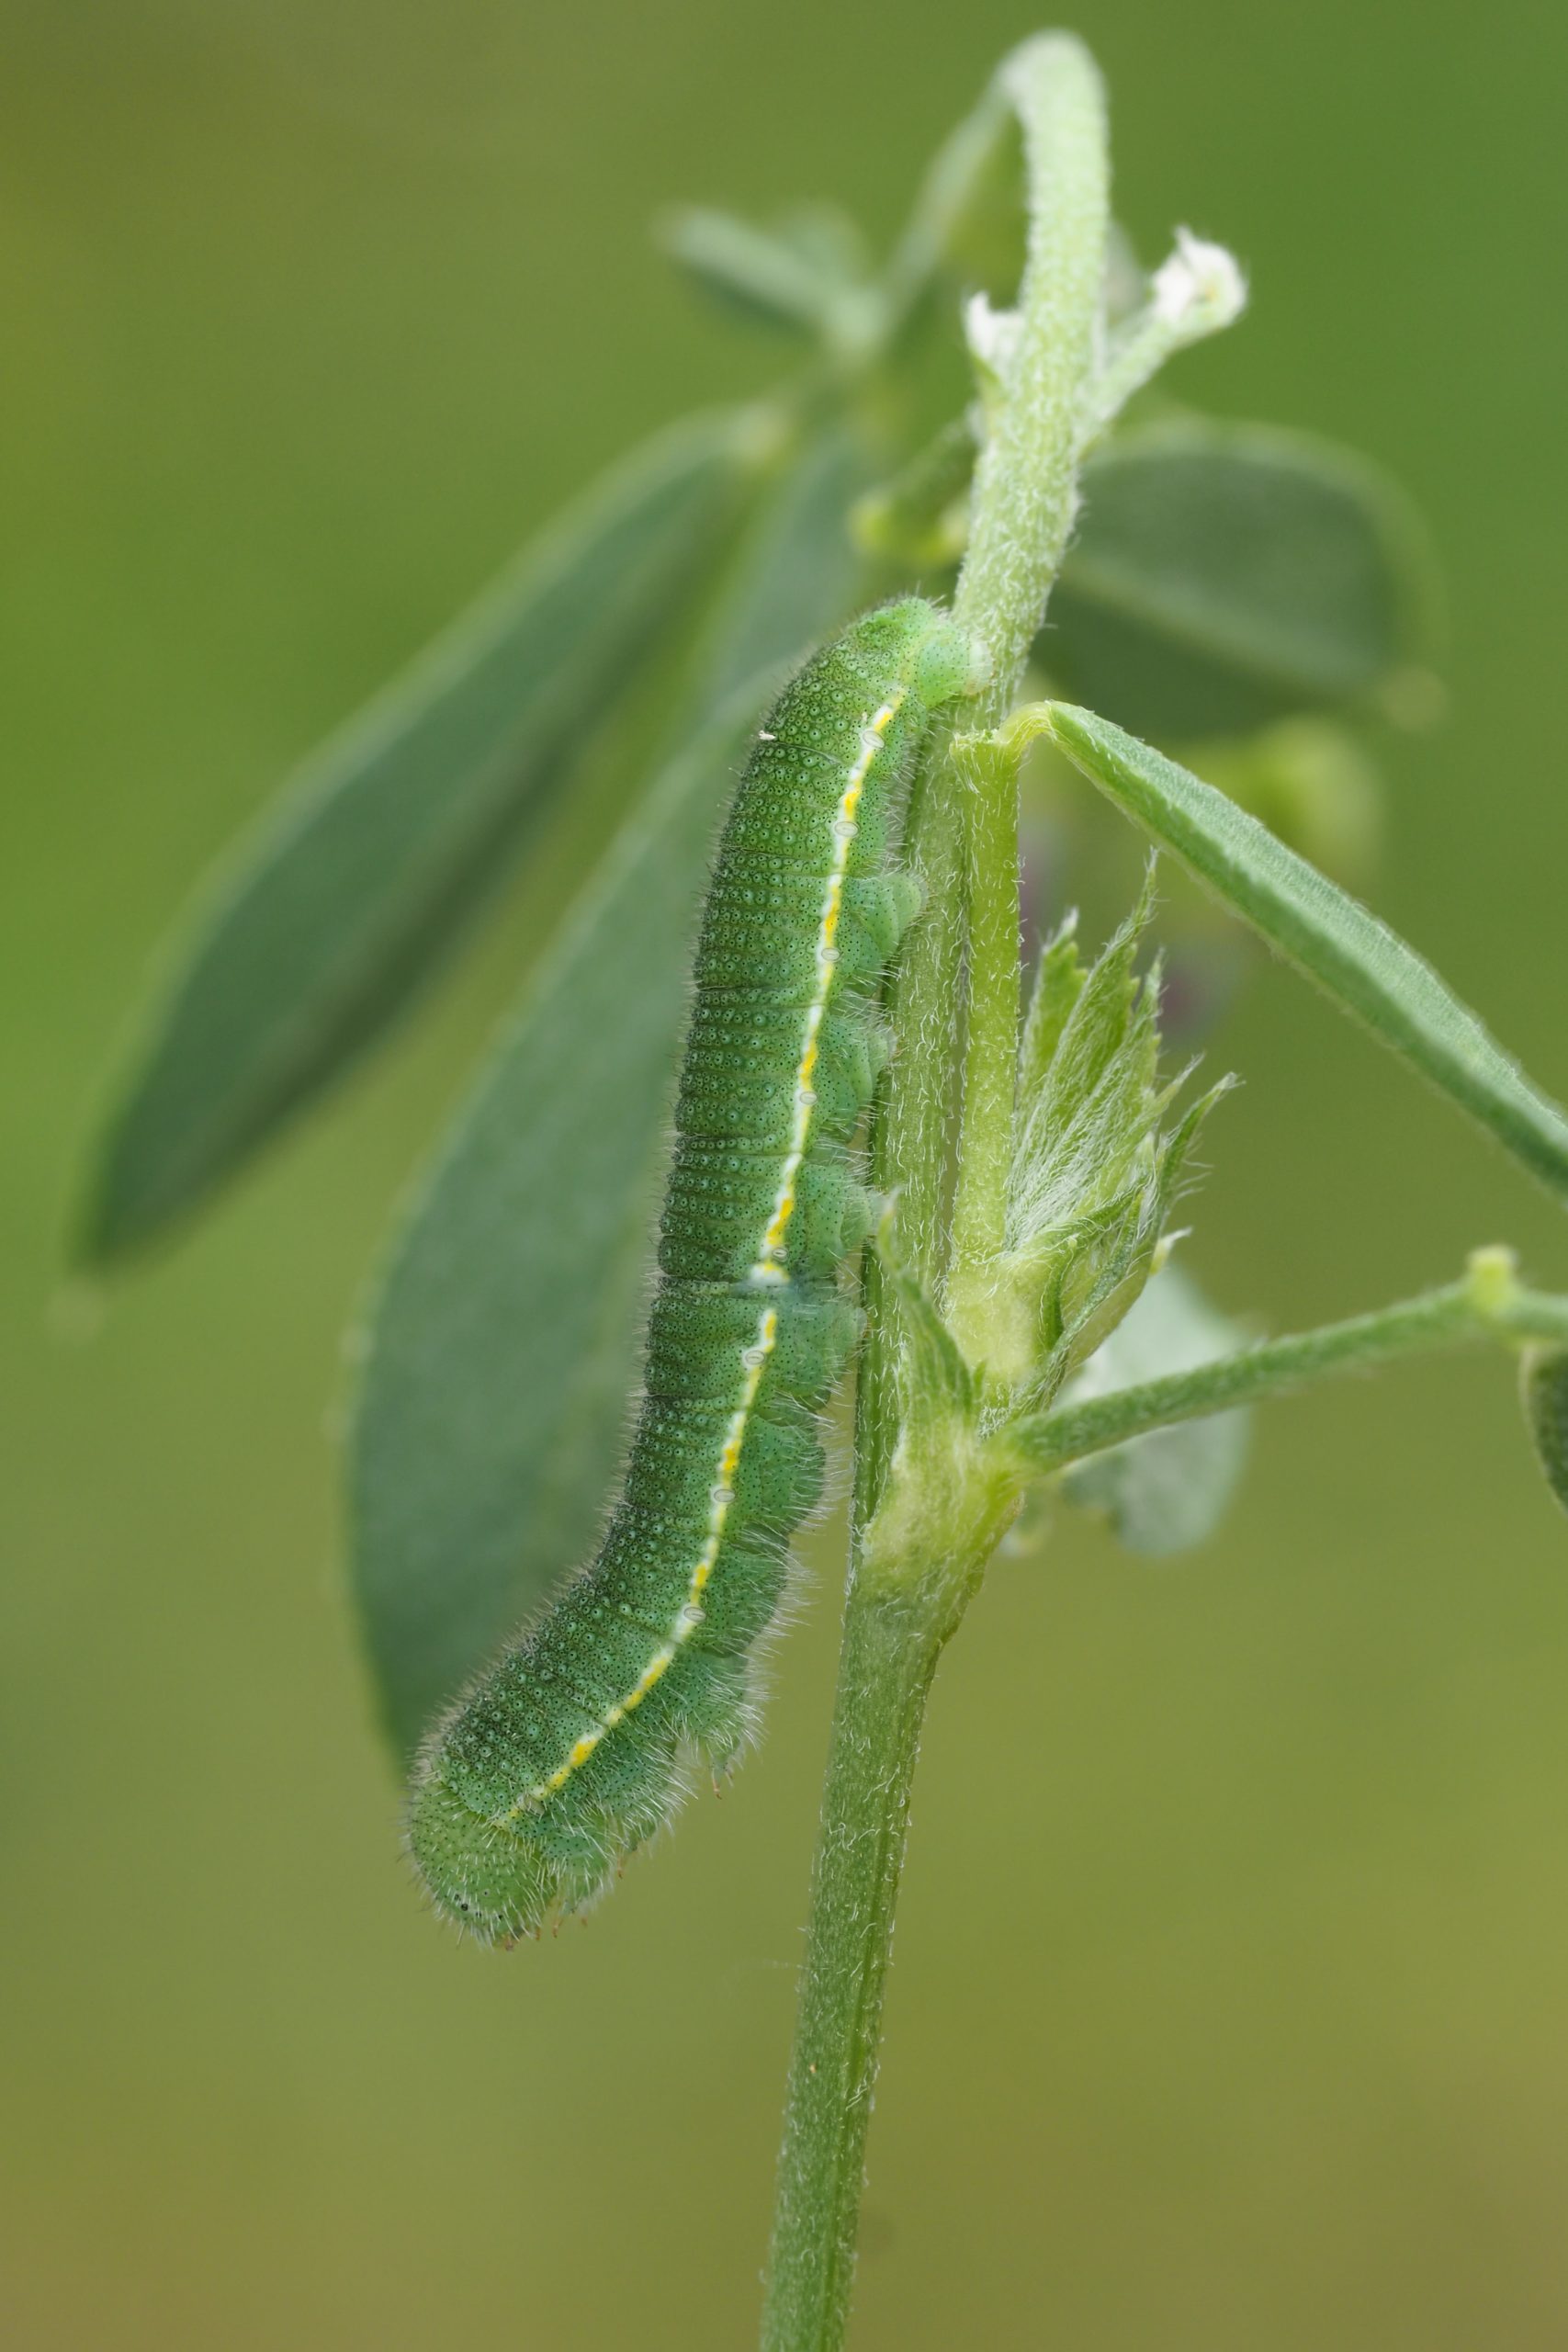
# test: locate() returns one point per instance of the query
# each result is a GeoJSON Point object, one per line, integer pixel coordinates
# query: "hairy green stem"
{"type": "Point", "coordinates": [1025, 493]}
{"type": "Point", "coordinates": [911, 1131]}
{"type": "Point", "coordinates": [890, 1655]}
{"type": "Point", "coordinates": [1025, 501]}
{"type": "Point", "coordinates": [990, 1051]}
{"type": "Point", "coordinates": [1488, 1304]}
{"type": "Point", "coordinates": [895, 1624]}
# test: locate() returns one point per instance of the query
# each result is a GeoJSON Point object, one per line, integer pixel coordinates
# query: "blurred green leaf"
{"type": "Point", "coordinates": [747, 268]}
{"type": "Point", "coordinates": [1169, 1490]}
{"type": "Point", "coordinates": [808, 275]}
{"type": "Point", "coordinates": [827, 237]}
{"type": "Point", "coordinates": [1353, 957]}
{"type": "Point", "coordinates": [1226, 575]}
{"type": "Point", "coordinates": [501, 1349]}
{"type": "Point", "coordinates": [494, 1390]}
{"type": "Point", "coordinates": [920, 518]}
{"type": "Point", "coordinates": [797, 574]}
{"type": "Point", "coordinates": [968, 225]}
{"type": "Point", "coordinates": [341, 906]}
{"type": "Point", "coordinates": [1543, 1388]}
{"type": "Point", "coordinates": [1314, 786]}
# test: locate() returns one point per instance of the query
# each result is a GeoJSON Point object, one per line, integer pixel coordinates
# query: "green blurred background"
{"type": "Point", "coordinates": [1231, 2003]}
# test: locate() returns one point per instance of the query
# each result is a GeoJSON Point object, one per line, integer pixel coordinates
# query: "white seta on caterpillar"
{"type": "Point", "coordinates": [567, 1753]}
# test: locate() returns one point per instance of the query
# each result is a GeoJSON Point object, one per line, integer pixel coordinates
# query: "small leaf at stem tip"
{"type": "Point", "coordinates": [1543, 1390]}
{"type": "Point", "coordinates": [1224, 576]}
{"type": "Point", "coordinates": [358, 885]}
{"type": "Point", "coordinates": [1361, 966]}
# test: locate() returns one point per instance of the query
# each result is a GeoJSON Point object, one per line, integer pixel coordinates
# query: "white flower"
{"type": "Point", "coordinates": [992, 335]}
{"type": "Point", "coordinates": [1200, 289]}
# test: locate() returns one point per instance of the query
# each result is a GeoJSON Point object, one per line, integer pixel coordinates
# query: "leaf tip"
{"type": "Point", "coordinates": [103, 1224]}
{"type": "Point", "coordinates": [1543, 1390]}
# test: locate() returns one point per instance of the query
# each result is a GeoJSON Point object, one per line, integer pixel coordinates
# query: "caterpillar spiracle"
{"type": "Point", "coordinates": [567, 1752]}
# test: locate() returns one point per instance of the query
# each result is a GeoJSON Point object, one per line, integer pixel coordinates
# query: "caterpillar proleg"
{"type": "Point", "coordinates": [566, 1754]}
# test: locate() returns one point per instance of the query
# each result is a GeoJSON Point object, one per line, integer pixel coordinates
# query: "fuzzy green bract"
{"type": "Point", "coordinates": [567, 1753]}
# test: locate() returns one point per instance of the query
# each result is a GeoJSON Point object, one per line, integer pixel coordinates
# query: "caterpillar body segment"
{"type": "Point", "coordinates": [568, 1752]}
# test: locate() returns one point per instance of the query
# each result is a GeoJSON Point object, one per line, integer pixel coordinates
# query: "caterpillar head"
{"type": "Point", "coordinates": [922, 647]}
{"type": "Point", "coordinates": [951, 665]}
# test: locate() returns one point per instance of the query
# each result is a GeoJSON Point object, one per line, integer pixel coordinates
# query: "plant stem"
{"type": "Point", "coordinates": [888, 1657]}
{"type": "Point", "coordinates": [1026, 481]}
{"type": "Point", "coordinates": [1025, 501]}
{"type": "Point", "coordinates": [897, 1614]}
{"type": "Point", "coordinates": [991, 1054]}
{"type": "Point", "coordinates": [1488, 1304]}
{"type": "Point", "coordinates": [910, 1136]}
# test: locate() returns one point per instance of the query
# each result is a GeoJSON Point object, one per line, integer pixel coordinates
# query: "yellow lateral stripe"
{"type": "Point", "coordinates": [689, 1616]}
{"type": "Point", "coordinates": [768, 1267]}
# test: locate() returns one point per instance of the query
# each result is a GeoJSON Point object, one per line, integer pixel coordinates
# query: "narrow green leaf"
{"type": "Point", "coordinates": [1330, 937]}
{"type": "Point", "coordinates": [830, 238]}
{"type": "Point", "coordinates": [494, 1391]}
{"type": "Point", "coordinates": [1227, 575]}
{"type": "Point", "coordinates": [1169, 1490]}
{"type": "Point", "coordinates": [797, 575]}
{"type": "Point", "coordinates": [920, 518]}
{"type": "Point", "coordinates": [501, 1351]}
{"type": "Point", "coordinates": [1543, 1388]}
{"type": "Point", "coordinates": [1313, 783]}
{"type": "Point", "coordinates": [808, 275]}
{"type": "Point", "coordinates": [746, 267]}
{"type": "Point", "coordinates": [331, 917]}
{"type": "Point", "coordinates": [969, 221]}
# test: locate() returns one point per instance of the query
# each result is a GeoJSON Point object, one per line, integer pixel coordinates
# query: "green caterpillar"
{"type": "Point", "coordinates": [566, 1754]}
